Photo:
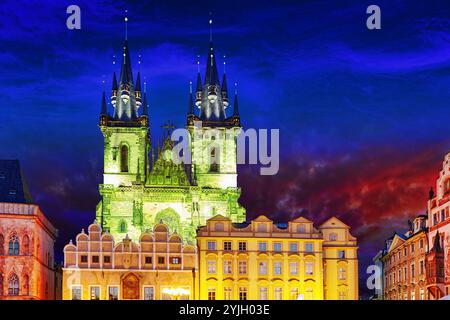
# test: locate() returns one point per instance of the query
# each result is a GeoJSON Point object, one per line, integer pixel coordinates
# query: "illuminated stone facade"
{"type": "Point", "coordinates": [262, 260]}
{"type": "Point", "coordinates": [27, 270]}
{"type": "Point", "coordinates": [439, 222]}
{"type": "Point", "coordinates": [404, 263]}
{"type": "Point", "coordinates": [157, 267]}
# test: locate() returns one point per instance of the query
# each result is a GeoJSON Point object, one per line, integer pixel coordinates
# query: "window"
{"type": "Point", "coordinates": [161, 260]}
{"type": "Point", "coordinates": [227, 293]}
{"type": "Point", "coordinates": [14, 245]}
{"type": "Point", "coordinates": [211, 293]}
{"type": "Point", "coordinates": [309, 268]}
{"type": "Point", "coordinates": [278, 293]}
{"type": "Point", "coordinates": [422, 294]}
{"type": "Point", "coordinates": [405, 252]}
{"type": "Point", "coordinates": [263, 246]}
{"type": "Point", "coordinates": [277, 268]}
{"type": "Point", "coordinates": [211, 266]}
{"type": "Point", "coordinates": [412, 247]}
{"type": "Point", "coordinates": [95, 293]}
{"type": "Point", "coordinates": [84, 259]}
{"type": "Point", "coordinates": [442, 215]}
{"type": "Point", "coordinates": [218, 226]}
{"type": "Point", "coordinates": [421, 244]}
{"type": "Point", "coordinates": [333, 236]}
{"type": "Point", "coordinates": [227, 245]}
{"type": "Point", "coordinates": [227, 267]}
{"type": "Point", "coordinates": [413, 271]}
{"type": "Point", "coordinates": [242, 267]}
{"type": "Point", "coordinates": [149, 293]}
{"type": "Point", "coordinates": [124, 158]}
{"type": "Point", "coordinates": [294, 293]}
{"type": "Point", "coordinates": [106, 259]}
{"type": "Point", "coordinates": [1, 284]}
{"type": "Point", "coordinates": [263, 293]}
{"type": "Point", "coordinates": [342, 295]}
{"type": "Point", "coordinates": [277, 247]}
{"type": "Point", "coordinates": [26, 245]}
{"type": "Point", "coordinates": [301, 228]}
{"type": "Point", "coordinates": [341, 254]}
{"type": "Point", "coordinates": [422, 267]}
{"type": "Point", "coordinates": [76, 293]}
{"type": "Point", "coordinates": [262, 268]}
{"type": "Point", "coordinates": [2, 244]}
{"type": "Point", "coordinates": [309, 247]}
{"type": "Point", "coordinates": [435, 219]}
{"type": "Point", "coordinates": [413, 295]}
{"type": "Point", "coordinates": [95, 259]}
{"type": "Point", "coordinates": [262, 227]}
{"type": "Point", "coordinates": [211, 245]}
{"type": "Point", "coordinates": [175, 260]}
{"type": "Point", "coordinates": [342, 273]}
{"type": "Point", "coordinates": [242, 246]}
{"type": "Point", "coordinates": [242, 293]}
{"type": "Point", "coordinates": [293, 247]}
{"type": "Point", "coordinates": [293, 268]}
{"type": "Point", "coordinates": [113, 293]}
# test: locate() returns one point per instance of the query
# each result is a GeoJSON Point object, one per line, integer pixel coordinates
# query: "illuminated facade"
{"type": "Point", "coordinates": [27, 269]}
{"type": "Point", "coordinates": [143, 184]}
{"type": "Point", "coordinates": [438, 260]}
{"type": "Point", "coordinates": [404, 263]}
{"type": "Point", "coordinates": [157, 267]}
{"type": "Point", "coordinates": [262, 260]}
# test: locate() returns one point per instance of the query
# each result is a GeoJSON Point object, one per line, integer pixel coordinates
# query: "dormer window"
{"type": "Point", "coordinates": [333, 236]}
{"type": "Point", "coordinates": [301, 228]}
{"type": "Point", "coordinates": [262, 227]}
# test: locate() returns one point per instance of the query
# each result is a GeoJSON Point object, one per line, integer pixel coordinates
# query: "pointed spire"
{"type": "Point", "coordinates": [199, 89]}
{"type": "Point", "coordinates": [114, 90]}
{"type": "Point", "coordinates": [137, 90]}
{"type": "Point", "coordinates": [224, 88]}
{"type": "Point", "coordinates": [211, 76]}
{"type": "Point", "coordinates": [191, 101]}
{"type": "Point", "coordinates": [235, 106]}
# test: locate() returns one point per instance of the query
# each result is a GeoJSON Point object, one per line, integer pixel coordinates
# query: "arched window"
{"type": "Point", "coordinates": [25, 245]}
{"type": "Point", "coordinates": [13, 285]}
{"type": "Point", "coordinates": [26, 285]}
{"type": "Point", "coordinates": [214, 161]}
{"type": "Point", "coordinates": [124, 158]}
{"type": "Point", "coordinates": [333, 236]}
{"type": "Point", "coordinates": [14, 245]}
{"type": "Point", "coordinates": [2, 245]}
{"type": "Point", "coordinates": [342, 274]}
{"type": "Point", "coordinates": [122, 227]}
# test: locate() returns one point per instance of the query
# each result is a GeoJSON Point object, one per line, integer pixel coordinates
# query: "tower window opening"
{"type": "Point", "coordinates": [214, 161]}
{"type": "Point", "coordinates": [124, 158]}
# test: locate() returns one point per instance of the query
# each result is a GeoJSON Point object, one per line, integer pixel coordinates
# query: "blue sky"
{"type": "Point", "coordinates": [356, 108]}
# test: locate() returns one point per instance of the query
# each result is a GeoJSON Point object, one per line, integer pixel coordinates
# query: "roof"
{"type": "Point", "coordinates": [13, 187]}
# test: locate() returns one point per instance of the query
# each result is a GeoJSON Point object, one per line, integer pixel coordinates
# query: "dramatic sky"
{"type": "Point", "coordinates": [363, 115]}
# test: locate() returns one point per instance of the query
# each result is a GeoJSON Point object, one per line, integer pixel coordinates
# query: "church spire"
{"type": "Point", "coordinates": [103, 110]}
{"type": "Point", "coordinates": [114, 90]}
{"type": "Point", "coordinates": [199, 89]}
{"type": "Point", "coordinates": [145, 103]}
{"type": "Point", "coordinates": [235, 105]}
{"type": "Point", "coordinates": [224, 88]}
{"type": "Point", "coordinates": [191, 101]}
{"type": "Point", "coordinates": [137, 90]}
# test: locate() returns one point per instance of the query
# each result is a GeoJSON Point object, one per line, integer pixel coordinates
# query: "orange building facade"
{"type": "Point", "coordinates": [158, 267]}
{"type": "Point", "coordinates": [405, 276]}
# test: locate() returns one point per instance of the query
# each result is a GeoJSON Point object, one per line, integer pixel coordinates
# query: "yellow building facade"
{"type": "Point", "coordinates": [262, 260]}
{"type": "Point", "coordinates": [159, 267]}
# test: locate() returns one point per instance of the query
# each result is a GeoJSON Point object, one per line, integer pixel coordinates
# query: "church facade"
{"type": "Point", "coordinates": [143, 185]}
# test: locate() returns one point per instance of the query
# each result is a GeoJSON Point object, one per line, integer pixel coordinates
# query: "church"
{"type": "Point", "coordinates": [142, 185]}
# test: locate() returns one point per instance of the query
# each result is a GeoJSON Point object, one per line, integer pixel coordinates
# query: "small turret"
{"type": "Point", "coordinates": [137, 91]}
{"type": "Point", "coordinates": [224, 89]}
{"type": "Point", "coordinates": [198, 92]}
